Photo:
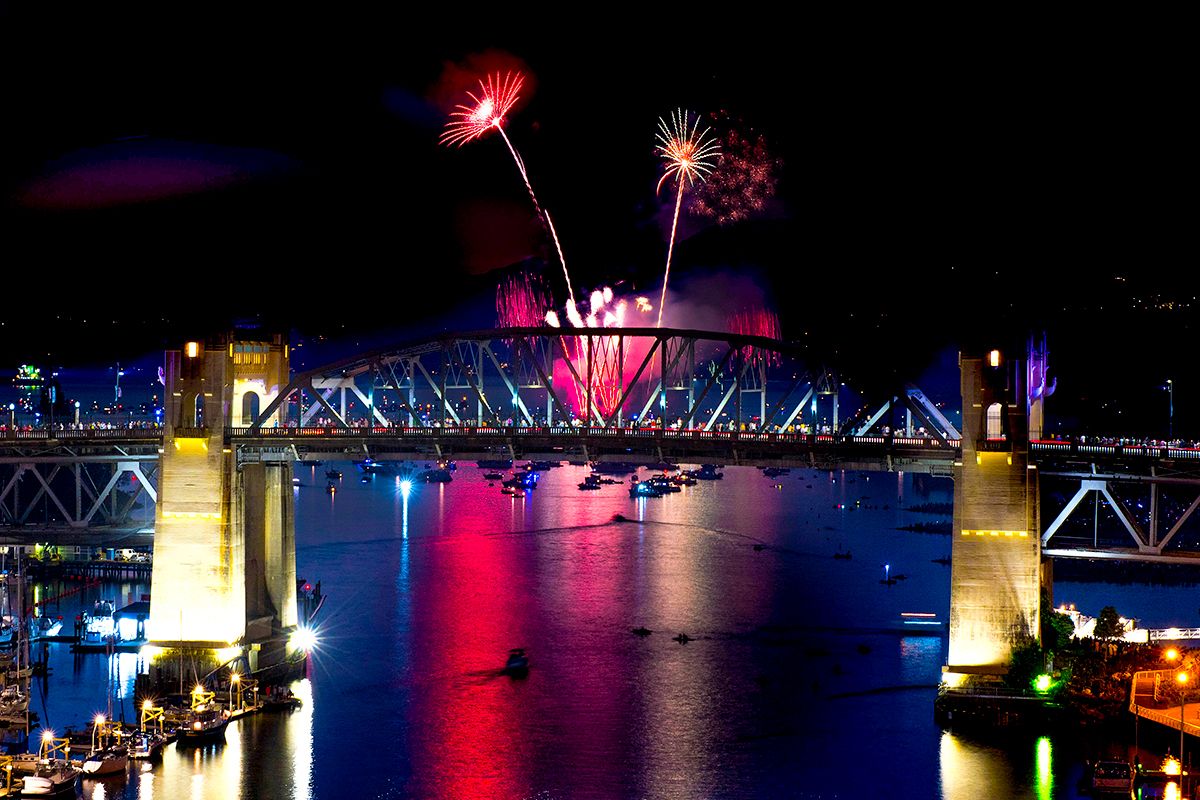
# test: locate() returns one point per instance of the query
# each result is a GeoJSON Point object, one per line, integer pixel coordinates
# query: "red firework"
{"type": "Point", "coordinates": [757, 322]}
{"type": "Point", "coordinates": [521, 301]}
{"type": "Point", "coordinates": [496, 98]}
{"type": "Point", "coordinates": [745, 182]}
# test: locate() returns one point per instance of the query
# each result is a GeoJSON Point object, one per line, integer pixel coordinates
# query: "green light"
{"type": "Point", "coordinates": [1041, 684]}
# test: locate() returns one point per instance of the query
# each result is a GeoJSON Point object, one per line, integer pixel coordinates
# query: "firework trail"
{"type": "Point", "coordinates": [690, 155]}
{"type": "Point", "coordinates": [487, 110]}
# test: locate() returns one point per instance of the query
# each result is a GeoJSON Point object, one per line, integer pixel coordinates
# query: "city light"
{"type": "Point", "coordinates": [405, 487]}
{"type": "Point", "coordinates": [1042, 683]}
{"type": "Point", "coordinates": [1172, 654]}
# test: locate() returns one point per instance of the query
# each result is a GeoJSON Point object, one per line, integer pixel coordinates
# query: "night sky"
{"type": "Point", "coordinates": [936, 190]}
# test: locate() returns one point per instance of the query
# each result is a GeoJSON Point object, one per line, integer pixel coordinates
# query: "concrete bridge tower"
{"type": "Point", "coordinates": [224, 543]}
{"type": "Point", "coordinates": [996, 569]}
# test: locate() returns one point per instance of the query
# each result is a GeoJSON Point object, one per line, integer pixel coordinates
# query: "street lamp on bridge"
{"type": "Point", "coordinates": [1181, 679]}
{"type": "Point", "coordinates": [1170, 387]}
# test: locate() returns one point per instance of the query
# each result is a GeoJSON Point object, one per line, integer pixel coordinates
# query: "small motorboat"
{"type": "Point", "coordinates": [682, 638]}
{"type": "Point", "coordinates": [642, 631]}
{"type": "Point", "coordinates": [493, 476]}
{"type": "Point", "coordinates": [109, 761]}
{"type": "Point", "coordinates": [846, 555]}
{"type": "Point", "coordinates": [775, 472]}
{"type": "Point", "coordinates": [518, 662]}
{"type": "Point", "coordinates": [330, 489]}
{"type": "Point", "coordinates": [589, 487]}
{"type": "Point", "coordinates": [364, 479]}
{"type": "Point", "coordinates": [295, 481]}
{"type": "Point", "coordinates": [145, 745]}
{"type": "Point", "coordinates": [333, 474]}
{"type": "Point", "coordinates": [644, 489]}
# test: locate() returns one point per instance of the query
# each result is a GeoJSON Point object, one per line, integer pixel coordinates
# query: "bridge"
{"type": "Point", "coordinates": [219, 471]}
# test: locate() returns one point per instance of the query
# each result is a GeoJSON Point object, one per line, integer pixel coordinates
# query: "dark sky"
{"type": "Point", "coordinates": [165, 177]}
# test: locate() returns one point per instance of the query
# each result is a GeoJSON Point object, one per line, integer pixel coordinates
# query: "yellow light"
{"type": "Point", "coordinates": [99, 719]}
{"type": "Point", "coordinates": [47, 735]}
{"type": "Point", "coordinates": [195, 726]}
{"type": "Point", "coordinates": [1181, 677]}
{"type": "Point", "coordinates": [1172, 654]}
{"type": "Point", "coordinates": [236, 677]}
{"type": "Point", "coordinates": [146, 706]}
{"type": "Point", "coordinates": [198, 690]}
{"type": "Point", "coordinates": [193, 349]}
{"type": "Point", "coordinates": [1170, 766]}
{"type": "Point", "coordinates": [994, 358]}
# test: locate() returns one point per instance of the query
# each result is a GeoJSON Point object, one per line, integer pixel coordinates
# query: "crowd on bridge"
{"type": "Point", "coordinates": [1125, 441]}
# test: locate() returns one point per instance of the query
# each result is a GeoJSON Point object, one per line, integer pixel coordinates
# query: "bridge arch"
{"type": "Point", "coordinates": [251, 404]}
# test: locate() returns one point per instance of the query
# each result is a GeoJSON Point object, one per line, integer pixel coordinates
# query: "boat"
{"type": "Point", "coordinates": [333, 474]}
{"type": "Point", "coordinates": [707, 472]}
{"type": "Point", "coordinates": [204, 725]}
{"type": "Point", "coordinates": [51, 779]}
{"type": "Point", "coordinates": [664, 484]}
{"type": "Point", "coordinates": [108, 761]}
{"type": "Point", "coordinates": [775, 472]}
{"type": "Point", "coordinates": [522, 480]}
{"type": "Point", "coordinates": [683, 479]}
{"type": "Point", "coordinates": [330, 488]}
{"type": "Point", "coordinates": [99, 626]}
{"type": "Point", "coordinates": [682, 638]}
{"type": "Point", "coordinates": [846, 555]}
{"type": "Point", "coordinates": [370, 466]}
{"type": "Point", "coordinates": [642, 631]}
{"type": "Point", "coordinates": [663, 466]}
{"type": "Point", "coordinates": [435, 476]}
{"type": "Point", "coordinates": [494, 463]}
{"type": "Point", "coordinates": [145, 745]}
{"type": "Point", "coordinates": [295, 481]}
{"type": "Point", "coordinates": [589, 486]}
{"type": "Point", "coordinates": [1112, 776]}
{"type": "Point", "coordinates": [281, 700]}
{"type": "Point", "coordinates": [513, 490]}
{"type": "Point", "coordinates": [518, 662]}
{"type": "Point", "coordinates": [614, 467]}
{"type": "Point", "coordinates": [542, 466]}
{"type": "Point", "coordinates": [644, 489]}
{"type": "Point", "coordinates": [45, 626]}
{"type": "Point", "coordinates": [493, 476]}
{"type": "Point", "coordinates": [13, 701]}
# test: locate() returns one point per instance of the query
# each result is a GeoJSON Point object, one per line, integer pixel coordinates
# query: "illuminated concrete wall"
{"type": "Point", "coordinates": [995, 578]}
{"type": "Point", "coordinates": [224, 545]}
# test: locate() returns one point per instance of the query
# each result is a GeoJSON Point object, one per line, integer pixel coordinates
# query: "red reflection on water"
{"type": "Point", "coordinates": [472, 746]}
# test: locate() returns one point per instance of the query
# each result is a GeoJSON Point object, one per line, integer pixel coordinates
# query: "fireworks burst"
{"type": "Point", "coordinates": [757, 322]}
{"type": "Point", "coordinates": [607, 354]}
{"type": "Point", "coordinates": [497, 95]}
{"type": "Point", "coordinates": [690, 155]}
{"type": "Point", "coordinates": [521, 301]}
{"type": "Point", "coordinates": [496, 98]}
{"type": "Point", "coordinates": [745, 182]}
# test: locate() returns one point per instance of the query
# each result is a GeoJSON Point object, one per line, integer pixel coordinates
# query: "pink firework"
{"type": "Point", "coordinates": [521, 301]}
{"type": "Point", "coordinates": [690, 155]}
{"type": "Point", "coordinates": [487, 111]}
{"type": "Point", "coordinates": [607, 353]}
{"type": "Point", "coordinates": [757, 322]}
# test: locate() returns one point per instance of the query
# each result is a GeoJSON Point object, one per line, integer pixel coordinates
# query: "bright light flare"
{"type": "Point", "coordinates": [303, 639]}
{"type": "Point", "coordinates": [47, 735]}
{"type": "Point", "coordinates": [99, 720]}
{"type": "Point", "coordinates": [487, 110]}
{"type": "Point", "coordinates": [406, 488]}
{"type": "Point", "coordinates": [643, 304]}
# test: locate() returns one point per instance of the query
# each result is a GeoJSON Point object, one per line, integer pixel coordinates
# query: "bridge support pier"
{"type": "Point", "coordinates": [996, 570]}
{"type": "Point", "coordinates": [224, 575]}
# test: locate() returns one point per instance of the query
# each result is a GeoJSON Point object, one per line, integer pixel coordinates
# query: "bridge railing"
{"type": "Point", "coordinates": [1059, 447]}
{"type": "Point", "coordinates": [570, 431]}
{"type": "Point", "coordinates": [42, 434]}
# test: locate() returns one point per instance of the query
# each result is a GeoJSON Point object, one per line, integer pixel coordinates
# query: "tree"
{"type": "Point", "coordinates": [1108, 624]}
{"type": "Point", "coordinates": [1027, 662]}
